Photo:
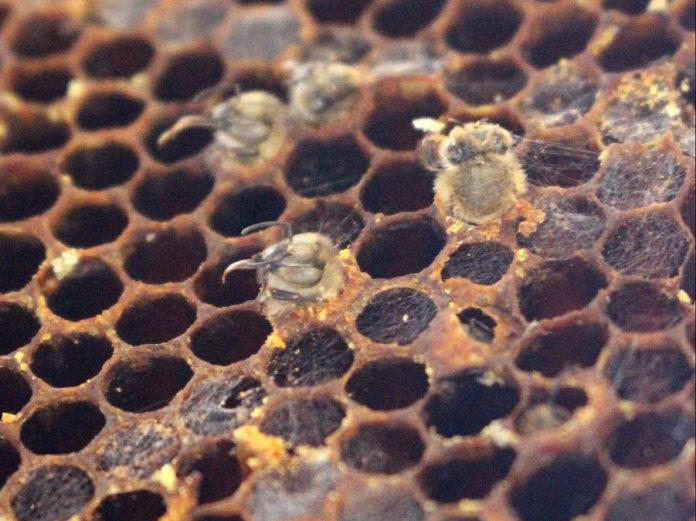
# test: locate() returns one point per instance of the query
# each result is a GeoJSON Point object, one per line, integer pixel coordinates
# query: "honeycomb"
{"type": "Point", "coordinates": [525, 370]}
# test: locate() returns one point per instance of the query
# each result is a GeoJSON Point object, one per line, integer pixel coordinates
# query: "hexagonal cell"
{"type": "Point", "coordinates": [137, 448]}
{"type": "Point", "coordinates": [304, 421]}
{"type": "Point", "coordinates": [155, 319]}
{"type": "Point", "coordinates": [561, 95]}
{"type": "Point", "coordinates": [550, 412]}
{"type": "Point", "coordinates": [96, 167]}
{"type": "Point", "coordinates": [337, 11]}
{"type": "Point", "coordinates": [62, 428]}
{"type": "Point", "coordinates": [470, 476]}
{"type": "Point", "coordinates": [70, 360]}
{"type": "Point", "coordinates": [296, 491]}
{"type": "Point", "coordinates": [639, 42]}
{"type": "Point", "coordinates": [146, 384]}
{"type": "Point", "coordinates": [574, 345]}
{"type": "Point", "coordinates": [25, 189]}
{"type": "Point", "coordinates": [18, 326]}
{"type": "Point", "coordinates": [379, 448]}
{"type": "Point", "coordinates": [108, 109]}
{"type": "Point", "coordinates": [404, 18]}
{"type": "Point", "coordinates": [558, 287]}
{"type": "Point", "coordinates": [661, 500]}
{"type": "Point", "coordinates": [239, 286]}
{"type": "Point", "coordinates": [136, 505]}
{"type": "Point", "coordinates": [650, 439]}
{"type": "Point", "coordinates": [166, 255]}
{"type": "Point", "coordinates": [339, 222]}
{"type": "Point", "coordinates": [90, 224]}
{"type": "Point", "coordinates": [390, 125]}
{"type": "Point", "coordinates": [242, 208]}
{"type": "Point", "coordinates": [558, 34]}
{"type": "Point", "coordinates": [483, 26]}
{"type": "Point", "coordinates": [120, 57]}
{"type": "Point", "coordinates": [401, 248]}
{"type": "Point", "coordinates": [230, 337]}
{"type": "Point", "coordinates": [41, 84]}
{"type": "Point", "coordinates": [80, 290]}
{"type": "Point", "coordinates": [336, 44]}
{"type": "Point", "coordinates": [388, 383]}
{"type": "Point", "coordinates": [9, 461]}
{"type": "Point", "coordinates": [648, 374]}
{"type": "Point", "coordinates": [264, 34]}
{"type": "Point", "coordinates": [186, 143]}
{"type": "Point", "coordinates": [185, 23]}
{"type": "Point", "coordinates": [52, 492]}
{"type": "Point", "coordinates": [164, 194]}
{"type": "Point", "coordinates": [43, 34]}
{"type": "Point", "coordinates": [314, 357]}
{"type": "Point", "coordinates": [478, 324]}
{"type": "Point", "coordinates": [571, 223]}
{"type": "Point", "coordinates": [651, 245]}
{"type": "Point", "coordinates": [380, 503]}
{"type": "Point", "coordinates": [400, 186]}
{"type": "Point", "coordinates": [33, 131]}
{"type": "Point", "coordinates": [21, 254]}
{"type": "Point", "coordinates": [332, 166]}
{"type": "Point", "coordinates": [560, 160]}
{"type": "Point", "coordinates": [567, 487]}
{"type": "Point", "coordinates": [15, 391]}
{"type": "Point", "coordinates": [222, 404]}
{"type": "Point", "coordinates": [466, 402]}
{"type": "Point", "coordinates": [396, 315]}
{"type": "Point", "coordinates": [486, 81]}
{"type": "Point", "coordinates": [188, 73]}
{"type": "Point", "coordinates": [480, 262]}
{"type": "Point", "coordinates": [632, 176]}
{"type": "Point", "coordinates": [642, 306]}
{"type": "Point", "coordinates": [220, 472]}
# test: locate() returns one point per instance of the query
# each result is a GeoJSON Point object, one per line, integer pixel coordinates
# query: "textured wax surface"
{"type": "Point", "coordinates": [538, 367]}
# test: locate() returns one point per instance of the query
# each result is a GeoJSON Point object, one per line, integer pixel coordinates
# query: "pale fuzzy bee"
{"type": "Point", "coordinates": [478, 178]}
{"type": "Point", "coordinates": [302, 268]}
{"type": "Point", "coordinates": [323, 92]}
{"type": "Point", "coordinates": [250, 125]}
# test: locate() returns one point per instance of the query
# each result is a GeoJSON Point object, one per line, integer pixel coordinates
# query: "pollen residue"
{"type": "Point", "coordinates": [260, 450]}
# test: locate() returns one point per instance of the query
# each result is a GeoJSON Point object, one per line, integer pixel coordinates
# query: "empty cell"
{"type": "Point", "coordinates": [62, 428]}
{"type": "Point", "coordinates": [404, 18]}
{"type": "Point", "coordinates": [188, 73]}
{"type": "Point", "coordinates": [401, 248]}
{"type": "Point", "coordinates": [44, 34]}
{"type": "Point", "coordinates": [155, 319]}
{"type": "Point", "coordinates": [219, 470]}
{"type": "Point", "coordinates": [483, 26]}
{"type": "Point", "coordinates": [96, 167]}
{"type": "Point", "coordinates": [9, 461]}
{"type": "Point", "coordinates": [485, 81]}
{"type": "Point", "coordinates": [481, 262]}
{"type": "Point", "coordinates": [304, 421]}
{"type": "Point", "coordinates": [90, 224]}
{"type": "Point", "coordinates": [146, 385]}
{"type": "Point", "coordinates": [21, 254]}
{"type": "Point", "coordinates": [136, 505]}
{"type": "Point", "coordinates": [400, 186]}
{"type": "Point", "coordinates": [245, 207]}
{"type": "Point", "coordinates": [382, 448]}
{"type": "Point", "coordinates": [237, 287]}
{"type": "Point", "coordinates": [558, 287]}
{"type": "Point", "coordinates": [337, 11]}
{"type": "Point", "coordinates": [120, 57]}
{"type": "Point", "coordinates": [26, 189]}
{"type": "Point", "coordinates": [70, 360]}
{"type": "Point", "coordinates": [15, 391]}
{"type": "Point", "coordinates": [164, 194]}
{"type": "Point", "coordinates": [166, 255]}
{"type": "Point", "coordinates": [389, 383]}
{"type": "Point", "coordinates": [463, 404]}
{"type": "Point", "coordinates": [107, 110]}
{"type": "Point", "coordinates": [33, 131]}
{"type": "Point", "coordinates": [18, 325]}
{"type": "Point", "coordinates": [230, 337]}
{"type": "Point", "coordinates": [642, 306]}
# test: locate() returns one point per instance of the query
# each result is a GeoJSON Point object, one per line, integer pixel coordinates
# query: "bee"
{"type": "Point", "coordinates": [322, 92]}
{"type": "Point", "coordinates": [250, 125]}
{"type": "Point", "coordinates": [478, 177]}
{"type": "Point", "coordinates": [302, 268]}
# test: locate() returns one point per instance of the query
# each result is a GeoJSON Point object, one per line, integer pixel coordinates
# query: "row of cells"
{"type": "Point", "coordinates": [476, 28]}
{"type": "Point", "coordinates": [559, 491]}
{"type": "Point", "coordinates": [642, 441]}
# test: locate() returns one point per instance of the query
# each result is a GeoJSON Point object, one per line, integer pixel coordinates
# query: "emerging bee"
{"type": "Point", "coordinates": [249, 124]}
{"type": "Point", "coordinates": [478, 176]}
{"type": "Point", "coordinates": [301, 268]}
{"type": "Point", "coordinates": [322, 92]}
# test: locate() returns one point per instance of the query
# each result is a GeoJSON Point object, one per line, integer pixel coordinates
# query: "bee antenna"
{"type": "Point", "coordinates": [269, 224]}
